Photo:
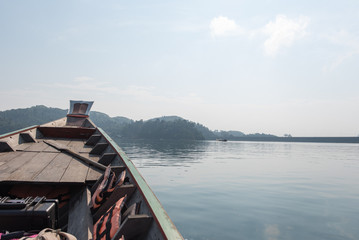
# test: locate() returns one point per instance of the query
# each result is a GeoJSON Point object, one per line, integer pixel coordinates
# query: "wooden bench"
{"type": "Point", "coordinates": [95, 138]}
{"type": "Point", "coordinates": [99, 148]}
{"type": "Point", "coordinates": [107, 158]}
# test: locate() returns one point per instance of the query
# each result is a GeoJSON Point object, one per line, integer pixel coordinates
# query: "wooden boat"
{"type": "Point", "coordinates": [66, 160]}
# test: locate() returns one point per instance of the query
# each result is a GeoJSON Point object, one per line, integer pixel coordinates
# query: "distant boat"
{"type": "Point", "coordinates": [222, 140]}
{"type": "Point", "coordinates": [79, 178]}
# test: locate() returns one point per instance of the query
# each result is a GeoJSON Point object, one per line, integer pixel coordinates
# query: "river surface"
{"type": "Point", "coordinates": [253, 190]}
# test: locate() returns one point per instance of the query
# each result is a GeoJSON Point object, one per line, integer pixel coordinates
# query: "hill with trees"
{"type": "Point", "coordinates": [166, 127]}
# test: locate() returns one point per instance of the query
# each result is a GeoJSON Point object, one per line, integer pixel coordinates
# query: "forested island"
{"type": "Point", "coordinates": [167, 128]}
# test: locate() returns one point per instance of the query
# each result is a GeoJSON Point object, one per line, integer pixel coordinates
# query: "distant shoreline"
{"type": "Point", "coordinates": [299, 139]}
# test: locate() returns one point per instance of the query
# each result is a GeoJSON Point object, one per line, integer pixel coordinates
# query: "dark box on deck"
{"type": "Point", "coordinates": [28, 214]}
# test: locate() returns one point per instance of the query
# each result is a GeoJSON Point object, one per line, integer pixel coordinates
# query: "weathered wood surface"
{"type": "Point", "coordinates": [80, 220]}
{"type": "Point", "coordinates": [13, 163]}
{"type": "Point", "coordinates": [79, 146]}
{"type": "Point", "coordinates": [75, 172]}
{"type": "Point", "coordinates": [107, 158]}
{"type": "Point", "coordinates": [74, 154]}
{"type": "Point", "coordinates": [93, 174]}
{"type": "Point", "coordinates": [37, 147]}
{"type": "Point", "coordinates": [134, 226]}
{"type": "Point", "coordinates": [23, 146]}
{"type": "Point", "coordinates": [8, 156]}
{"type": "Point", "coordinates": [99, 148]}
{"type": "Point", "coordinates": [30, 169]}
{"type": "Point", "coordinates": [43, 162]}
{"type": "Point", "coordinates": [45, 167]}
{"type": "Point", "coordinates": [54, 171]}
{"type": "Point", "coordinates": [93, 139]}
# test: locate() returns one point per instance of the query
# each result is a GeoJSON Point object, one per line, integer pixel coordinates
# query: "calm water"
{"type": "Point", "coordinates": [254, 190]}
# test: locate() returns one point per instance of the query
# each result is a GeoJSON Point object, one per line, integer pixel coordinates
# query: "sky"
{"type": "Point", "coordinates": [271, 66]}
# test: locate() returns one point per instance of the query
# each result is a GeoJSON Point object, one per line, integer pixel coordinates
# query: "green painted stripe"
{"type": "Point", "coordinates": [17, 131]}
{"type": "Point", "coordinates": [169, 229]}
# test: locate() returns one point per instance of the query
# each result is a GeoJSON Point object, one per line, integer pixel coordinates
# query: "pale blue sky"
{"type": "Point", "coordinates": [255, 66]}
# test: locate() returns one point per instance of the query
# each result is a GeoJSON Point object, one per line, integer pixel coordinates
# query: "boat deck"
{"type": "Point", "coordinates": [66, 160]}
{"type": "Point", "coordinates": [39, 162]}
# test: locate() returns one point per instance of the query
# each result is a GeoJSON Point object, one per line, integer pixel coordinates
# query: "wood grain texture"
{"type": "Point", "coordinates": [37, 147]}
{"type": "Point", "coordinates": [23, 146]}
{"type": "Point", "coordinates": [79, 146]}
{"type": "Point", "coordinates": [134, 226]}
{"type": "Point", "coordinates": [80, 220]}
{"type": "Point", "coordinates": [15, 161]}
{"type": "Point", "coordinates": [75, 172]}
{"type": "Point", "coordinates": [54, 171]}
{"type": "Point", "coordinates": [30, 169]}
{"type": "Point", "coordinates": [93, 174]}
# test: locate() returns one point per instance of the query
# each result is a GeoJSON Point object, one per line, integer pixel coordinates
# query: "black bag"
{"type": "Point", "coordinates": [28, 214]}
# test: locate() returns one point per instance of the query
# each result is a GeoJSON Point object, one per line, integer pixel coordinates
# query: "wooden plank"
{"type": "Point", "coordinates": [30, 169]}
{"type": "Point", "coordinates": [93, 140]}
{"type": "Point", "coordinates": [50, 149]}
{"type": "Point", "coordinates": [15, 161]}
{"type": "Point", "coordinates": [76, 172]}
{"type": "Point", "coordinates": [75, 144]}
{"type": "Point", "coordinates": [107, 158]}
{"type": "Point", "coordinates": [22, 147]}
{"type": "Point", "coordinates": [80, 220]}
{"type": "Point", "coordinates": [93, 174]}
{"type": "Point", "coordinates": [92, 157]}
{"type": "Point", "coordinates": [74, 154]}
{"type": "Point", "coordinates": [76, 122]}
{"type": "Point", "coordinates": [99, 148]}
{"type": "Point", "coordinates": [7, 156]}
{"type": "Point", "coordinates": [17, 132]}
{"type": "Point", "coordinates": [134, 226]}
{"type": "Point", "coordinates": [79, 146]}
{"type": "Point", "coordinates": [37, 147]}
{"type": "Point", "coordinates": [55, 169]}
{"type": "Point", "coordinates": [63, 141]}
{"type": "Point", "coordinates": [3, 154]}
{"type": "Point", "coordinates": [67, 132]}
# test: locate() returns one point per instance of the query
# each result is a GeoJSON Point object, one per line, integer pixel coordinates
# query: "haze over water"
{"type": "Point", "coordinates": [253, 190]}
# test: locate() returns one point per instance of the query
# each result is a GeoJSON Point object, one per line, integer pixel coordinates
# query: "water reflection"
{"type": "Point", "coordinates": [253, 190]}
{"type": "Point", "coordinates": [151, 153]}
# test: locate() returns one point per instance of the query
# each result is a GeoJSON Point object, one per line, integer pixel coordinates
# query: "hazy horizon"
{"type": "Point", "coordinates": [253, 66]}
{"type": "Point", "coordinates": [164, 116]}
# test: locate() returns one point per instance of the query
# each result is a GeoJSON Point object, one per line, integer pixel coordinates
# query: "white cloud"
{"type": "Point", "coordinates": [223, 26]}
{"type": "Point", "coordinates": [283, 32]}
